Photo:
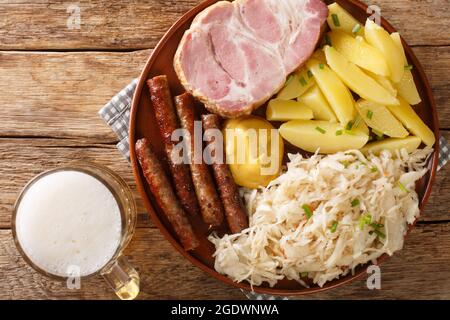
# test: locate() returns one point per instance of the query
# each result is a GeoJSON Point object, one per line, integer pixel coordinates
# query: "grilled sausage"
{"type": "Point", "coordinates": [210, 205]}
{"type": "Point", "coordinates": [167, 123]}
{"type": "Point", "coordinates": [164, 195]}
{"type": "Point", "coordinates": [234, 209]}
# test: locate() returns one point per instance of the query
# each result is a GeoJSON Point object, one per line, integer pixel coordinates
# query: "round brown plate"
{"type": "Point", "coordinates": [143, 124]}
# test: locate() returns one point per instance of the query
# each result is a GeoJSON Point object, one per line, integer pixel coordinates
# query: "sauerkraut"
{"type": "Point", "coordinates": [323, 217]}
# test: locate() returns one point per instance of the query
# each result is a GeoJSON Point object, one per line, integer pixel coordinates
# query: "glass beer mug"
{"type": "Point", "coordinates": [74, 222]}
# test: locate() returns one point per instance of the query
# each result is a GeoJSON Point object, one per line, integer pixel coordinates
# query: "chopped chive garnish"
{"type": "Point", "coordinates": [355, 203]}
{"type": "Point", "coordinates": [321, 65]}
{"type": "Point", "coordinates": [376, 225]}
{"type": "Point", "coordinates": [322, 131]}
{"type": "Point", "coordinates": [303, 81]}
{"type": "Point", "coordinates": [356, 28]}
{"type": "Point", "coordinates": [402, 187]}
{"type": "Point", "coordinates": [379, 233]}
{"type": "Point", "coordinates": [308, 211]}
{"type": "Point", "coordinates": [328, 40]}
{"type": "Point", "coordinates": [336, 20]}
{"type": "Point", "coordinates": [364, 220]}
{"type": "Point", "coordinates": [350, 132]}
{"type": "Point", "coordinates": [334, 227]}
{"type": "Point", "coordinates": [374, 169]}
{"type": "Point", "coordinates": [408, 67]}
{"type": "Point", "coordinates": [289, 79]}
{"type": "Point", "coordinates": [304, 274]}
{"type": "Point", "coordinates": [310, 75]}
{"type": "Point", "coordinates": [369, 114]}
{"type": "Point", "coordinates": [349, 125]}
{"type": "Point", "coordinates": [339, 133]}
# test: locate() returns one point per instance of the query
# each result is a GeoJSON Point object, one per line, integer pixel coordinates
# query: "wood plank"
{"type": "Point", "coordinates": [409, 274]}
{"type": "Point", "coordinates": [436, 62]}
{"type": "Point", "coordinates": [22, 159]}
{"type": "Point", "coordinates": [33, 25]}
{"type": "Point", "coordinates": [59, 94]}
{"type": "Point", "coordinates": [104, 24]}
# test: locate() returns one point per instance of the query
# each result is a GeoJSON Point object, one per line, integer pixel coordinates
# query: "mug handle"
{"type": "Point", "coordinates": [123, 279]}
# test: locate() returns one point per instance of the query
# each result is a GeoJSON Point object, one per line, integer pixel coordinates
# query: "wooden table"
{"type": "Point", "coordinates": [54, 79]}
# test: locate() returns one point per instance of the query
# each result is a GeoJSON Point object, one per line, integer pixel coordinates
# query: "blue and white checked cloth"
{"type": "Point", "coordinates": [116, 114]}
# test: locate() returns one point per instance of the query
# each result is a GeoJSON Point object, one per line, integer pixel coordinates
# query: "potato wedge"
{"type": "Point", "coordinates": [379, 118]}
{"type": "Point", "coordinates": [379, 38]}
{"type": "Point", "coordinates": [314, 99]}
{"type": "Point", "coordinates": [344, 21]}
{"type": "Point", "coordinates": [359, 52]}
{"type": "Point", "coordinates": [410, 143]}
{"type": "Point", "coordinates": [296, 84]}
{"type": "Point", "coordinates": [406, 87]}
{"type": "Point", "coordinates": [357, 80]}
{"type": "Point", "coordinates": [310, 135]}
{"type": "Point", "coordinates": [285, 110]}
{"type": "Point", "coordinates": [292, 88]}
{"type": "Point", "coordinates": [334, 90]}
{"type": "Point", "coordinates": [384, 82]}
{"type": "Point", "coordinates": [406, 114]}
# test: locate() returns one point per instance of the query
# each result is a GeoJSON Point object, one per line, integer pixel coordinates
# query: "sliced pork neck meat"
{"type": "Point", "coordinates": [236, 55]}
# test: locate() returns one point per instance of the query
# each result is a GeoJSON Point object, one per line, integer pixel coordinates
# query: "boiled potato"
{"type": "Point", "coordinates": [410, 143]}
{"type": "Point", "coordinates": [379, 118]}
{"type": "Point", "coordinates": [284, 110]}
{"type": "Point", "coordinates": [336, 93]}
{"type": "Point", "coordinates": [379, 38]}
{"type": "Point", "coordinates": [251, 163]}
{"type": "Point", "coordinates": [359, 52]}
{"type": "Point", "coordinates": [406, 87]}
{"type": "Point", "coordinates": [314, 99]}
{"type": "Point", "coordinates": [384, 82]}
{"type": "Point", "coordinates": [311, 135]}
{"type": "Point", "coordinates": [296, 84]}
{"type": "Point", "coordinates": [357, 80]}
{"type": "Point", "coordinates": [344, 21]}
{"type": "Point", "coordinates": [360, 126]}
{"type": "Point", "coordinates": [291, 89]}
{"type": "Point", "coordinates": [412, 122]}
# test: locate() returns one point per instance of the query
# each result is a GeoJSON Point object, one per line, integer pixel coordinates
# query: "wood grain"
{"type": "Point", "coordinates": [419, 271]}
{"type": "Point", "coordinates": [115, 25]}
{"type": "Point", "coordinates": [104, 24]}
{"type": "Point", "coordinates": [22, 159]}
{"type": "Point", "coordinates": [60, 93]}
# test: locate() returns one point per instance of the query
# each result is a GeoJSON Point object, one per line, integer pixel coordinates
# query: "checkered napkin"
{"type": "Point", "coordinates": [116, 114]}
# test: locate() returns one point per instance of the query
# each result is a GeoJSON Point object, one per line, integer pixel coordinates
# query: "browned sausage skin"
{"type": "Point", "coordinates": [210, 205]}
{"type": "Point", "coordinates": [164, 195]}
{"type": "Point", "coordinates": [234, 209]}
{"type": "Point", "coordinates": [167, 123]}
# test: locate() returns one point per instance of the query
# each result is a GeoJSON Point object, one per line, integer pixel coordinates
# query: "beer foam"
{"type": "Point", "coordinates": [69, 222]}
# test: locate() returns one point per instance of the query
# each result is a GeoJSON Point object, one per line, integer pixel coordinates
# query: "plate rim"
{"type": "Point", "coordinates": [196, 262]}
